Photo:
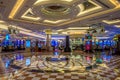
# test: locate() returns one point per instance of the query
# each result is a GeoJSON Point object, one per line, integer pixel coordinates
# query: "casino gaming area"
{"type": "Point", "coordinates": [60, 40]}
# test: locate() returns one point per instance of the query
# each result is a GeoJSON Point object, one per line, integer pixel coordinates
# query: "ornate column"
{"type": "Point", "coordinates": [67, 47]}
{"type": "Point", "coordinates": [48, 39]}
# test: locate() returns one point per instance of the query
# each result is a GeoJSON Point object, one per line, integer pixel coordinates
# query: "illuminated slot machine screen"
{"type": "Point", "coordinates": [19, 42]}
{"type": "Point", "coordinates": [114, 43]}
{"type": "Point", "coordinates": [7, 42]}
{"type": "Point", "coordinates": [10, 43]}
{"type": "Point", "coordinates": [33, 44]}
{"type": "Point", "coordinates": [87, 45]}
{"type": "Point", "coordinates": [108, 43]}
{"type": "Point", "coordinates": [105, 42]}
{"type": "Point", "coordinates": [93, 43]}
{"type": "Point", "coordinates": [13, 44]}
{"type": "Point", "coordinates": [4, 43]}
{"type": "Point", "coordinates": [28, 44]}
{"type": "Point", "coordinates": [53, 43]}
{"type": "Point", "coordinates": [7, 37]}
{"type": "Point", "coordinates": [56, 43]}
{"type": "Point", "coordinates": [101, 43]}
{"type": "Point", "coordinates": [16, 43]}
{"type": "Point", "coordinates": [22, 42]}
{"type": "Point", "coordinates": [39, 45]}
{"type": "Point", "coordinates": [111, 43]}
{"type": "Point", "coordinates": [97, 43]}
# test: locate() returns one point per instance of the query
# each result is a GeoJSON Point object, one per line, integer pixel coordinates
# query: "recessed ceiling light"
{"type": "Point", "coordinates": [1, 21]}
{"type": "Point", "coordinates": [67, 0]}
{"type": "Point", "coordinates": [78, 28]}
{"type": "Point", "coordinates": [117, 26]}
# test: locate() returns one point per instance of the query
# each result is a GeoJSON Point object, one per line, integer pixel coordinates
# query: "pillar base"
{"type": "Point", "coordinates": [67, 49]}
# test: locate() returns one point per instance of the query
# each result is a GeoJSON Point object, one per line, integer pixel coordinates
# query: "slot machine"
{"type": "Point", "coordinates": [97, 43]}
{"type": "Point", "coordinates": [118, 45]}
{"type": "Point", "coordinates": [87, 46]}
{"type": "Point", "coordinates": [105, 43]}
{"type": "Point", "coordinates": [33, 45]}
{"type": "Point", "coordinates": [100, 45]}
{"type": "Point", "coordinates": [93, 42]}
{"type": "Point", "coordinates": [94, 46]}
{"type": "Point", "coordinates": [39, 46]}
{"type": "Point", "coordinates": [22, 42]}
{"type": "Point", "coordinates": [108, 44]}
{"type": "Point", "coordinates": [114, 47]}
{"type": "Point", "coordinates": [28, 45]}
{"type": "Point", "coordinates": [13, 45]}
{"type": "Point", "coordinates": [53, 44]}
{"type": "Point", "coordinates": [10, 45]}
{"type": "Point", "coordinates": [18, 44]}
{"type": "Point", "coordinates": [88, 42]}
{"type": "Point", "coordinates": [5, 45]}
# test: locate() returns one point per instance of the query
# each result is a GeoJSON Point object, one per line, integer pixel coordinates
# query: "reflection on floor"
{"type": "Point", "coordinates": [66, 67]}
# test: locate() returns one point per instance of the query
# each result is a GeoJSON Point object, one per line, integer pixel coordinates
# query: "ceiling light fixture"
{"type": "Point", "coordinates": [60, 30]}
{"type": "Point", "coordinates": [15, 8]}
{"type": "Point", "coordinates": [29, 17]}
{"type": "Point", "coordinates": [23, 31]}
{"type": "Point", "coordinates": [67, 0]}
{"type": "Point", "coordinates": [1, 21]}
{"type": "Point", "coordinates": [54, 22]}
{"type": "Point", "coordinates": [3, 27]}
{"type": "Point", "coordinates": [34, 35]}
{"type": "Point", "coordinates": [39, 1]}
{"type": "Point", "coordinates": [86, 11]}
{"type": "Point", "coordinates": [115, 2]}
{"type": "Point", "coordinates": [78, 28]}
{"type": "Point", "coordinates": [111, 22]}
{"type": "Point", "coordinates": [117, 26]}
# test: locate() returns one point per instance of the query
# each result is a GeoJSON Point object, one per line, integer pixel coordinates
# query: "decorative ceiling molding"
{"type": "Point", "coordinates": [70, 11]}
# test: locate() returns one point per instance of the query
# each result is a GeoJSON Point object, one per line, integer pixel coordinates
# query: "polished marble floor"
{"type": "Point", "coordinates": [74, 69]}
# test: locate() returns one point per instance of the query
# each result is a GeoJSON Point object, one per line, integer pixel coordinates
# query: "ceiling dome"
{"type": "Point", "coordinates": [55, 8]}
{"type": "Point", "coordinates": [56, 11]}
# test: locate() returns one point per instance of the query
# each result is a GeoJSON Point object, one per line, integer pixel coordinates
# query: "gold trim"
{"type": "Point", "coordinates": [28, 17]}
{"type": "Point", "coordinates": [93, 15]}
{"type": "Point", "coordinates": [20, 2]}
{"type": "Point", "coordinates": [115, 2]}
{"type": "Point", "coordinates": [33, 22]}
{"type": "Point", "coordinates": [15, 8]}
{"type": "Point", "coordinates": [55, 22]}
{"type": "Point", "coordinates": [111, 22]}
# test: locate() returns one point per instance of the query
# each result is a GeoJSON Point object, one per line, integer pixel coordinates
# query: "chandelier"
{"type": "Point", "coordinates": [13, 30]}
